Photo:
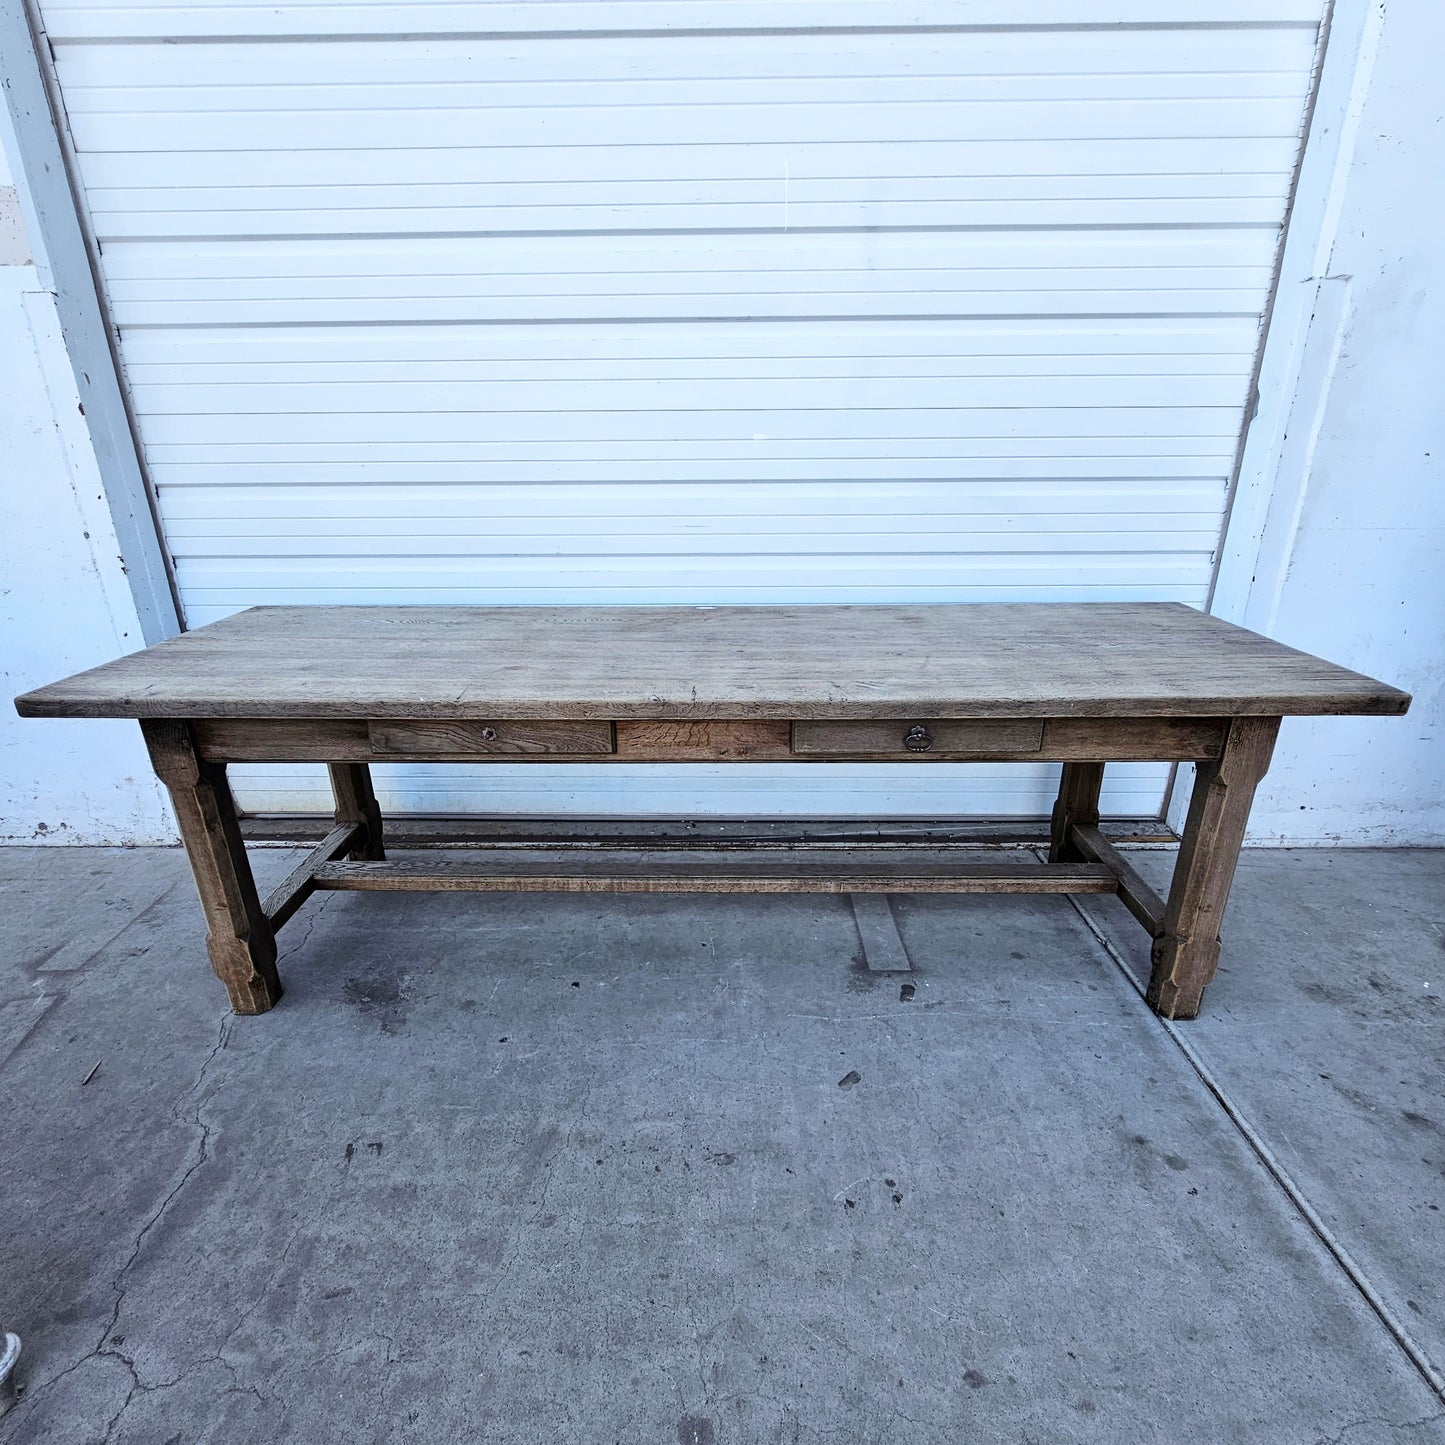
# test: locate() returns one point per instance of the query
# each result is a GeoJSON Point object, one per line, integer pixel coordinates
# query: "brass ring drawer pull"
{"type": "Point", "coordinates": [935, 738]}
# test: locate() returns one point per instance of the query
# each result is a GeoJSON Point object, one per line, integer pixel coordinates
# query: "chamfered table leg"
{"type": "Point", "coordinates": [240, 940]}
{"type": "Point", "coordinates": [356, 803]}
{"type": "Point", "coordinates": [1078, 803]}
{"type": "Point", "coordinates": [1186, 951]}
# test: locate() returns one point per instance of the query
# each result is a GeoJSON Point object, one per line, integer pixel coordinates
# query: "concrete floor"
{"type": "Point", "coordinates": [582, 1169]}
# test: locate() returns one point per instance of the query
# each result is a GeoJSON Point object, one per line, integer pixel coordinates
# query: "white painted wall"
{"type": "Point", "coordinates": [891, 314]}
{"type": "Point", "coordinates": [1341, 552]}
{"type": "Point", "coordinates": [1347, 559]}
{"type": "Point", "coordinates": [64, 600]}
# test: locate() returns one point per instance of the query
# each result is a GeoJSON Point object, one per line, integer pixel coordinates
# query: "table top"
{"type": "Point", "coordinates": [1098, 659]}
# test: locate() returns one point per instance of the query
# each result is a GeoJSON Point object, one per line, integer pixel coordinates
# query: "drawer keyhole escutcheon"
{"type": "Point", "coordinates": [917, 739]}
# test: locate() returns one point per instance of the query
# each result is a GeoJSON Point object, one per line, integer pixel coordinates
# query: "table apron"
{"type": "Point", "coordinates": [1065, 739]}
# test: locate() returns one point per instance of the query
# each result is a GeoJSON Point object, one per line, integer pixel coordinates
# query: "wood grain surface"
{"type": "Point", "coordinates": [692, 870]}
{"type": "Point", "coordinates": [573, 663]}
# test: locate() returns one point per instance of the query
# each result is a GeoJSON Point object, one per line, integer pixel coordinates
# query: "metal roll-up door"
{"type": "Point", "coordinates": [688, 301]}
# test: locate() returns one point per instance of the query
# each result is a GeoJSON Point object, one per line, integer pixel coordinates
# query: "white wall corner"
{"type": "Point", "coordinates": [1336, 536]}
{"type": "Point", "coordinates": [1288, 386]}
{"type": "Point", "coordinates": [36, 156]}
{"type": "Point", "coordinates": [64, 600]}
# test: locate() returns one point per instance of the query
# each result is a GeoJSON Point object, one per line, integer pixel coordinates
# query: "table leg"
{"type": "Point", "coordinates": [356, 803]}
{"type": "Point", "coordinates": [1186, 951]}
{"type": "Point", "coordinates": [241, 941]}
{"type": "Point", "coordinates": [1078, 803]}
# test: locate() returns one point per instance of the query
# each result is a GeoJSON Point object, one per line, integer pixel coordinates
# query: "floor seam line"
{"type": "Point", "coordinates": [1412, 1350]}
{"type": "Point", "coordinates": [115, 937]}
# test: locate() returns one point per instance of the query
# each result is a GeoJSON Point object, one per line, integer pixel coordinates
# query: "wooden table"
{"type": "Point", "coordinates": [1081, 684]}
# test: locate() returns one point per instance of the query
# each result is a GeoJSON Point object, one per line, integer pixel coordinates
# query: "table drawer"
{"type": "Point", "coordinates": [920, 736]}
{"type": "Point", "coordinates": [470, 738]}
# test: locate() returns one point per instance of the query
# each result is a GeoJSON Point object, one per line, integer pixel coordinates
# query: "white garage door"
{"type": "Point", "coordinates": [689, 301]}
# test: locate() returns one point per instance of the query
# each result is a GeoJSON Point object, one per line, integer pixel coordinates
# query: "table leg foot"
{"type": "Point", "coordinates": [240, 940]}
{"type": "Point", "coordinates": [248, 969]}
{"type": "Point", "coordinates": [1186, 952]}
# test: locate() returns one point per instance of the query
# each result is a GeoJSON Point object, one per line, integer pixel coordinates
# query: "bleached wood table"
{"type": "Point", "coordinates": [1081, 684]}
